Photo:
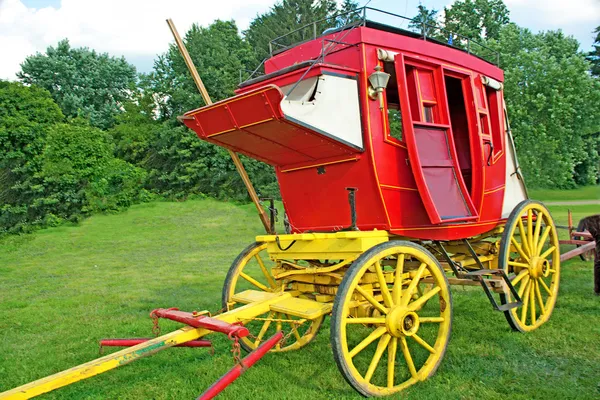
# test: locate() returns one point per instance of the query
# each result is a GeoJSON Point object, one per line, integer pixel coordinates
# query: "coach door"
{"type": "Point", "coordinates": [431, 145]}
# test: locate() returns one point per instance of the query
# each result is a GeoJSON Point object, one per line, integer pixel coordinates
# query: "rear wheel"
{"type": "Point", "coordinates": [530, 256]}
{"type": "Point", "coordinates": [410, 325]}
{"type": "Point", "coordinates": [251, 270]}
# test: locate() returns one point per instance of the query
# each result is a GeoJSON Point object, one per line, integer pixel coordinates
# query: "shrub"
{"type": "Point", "coordinates": [81, 175]}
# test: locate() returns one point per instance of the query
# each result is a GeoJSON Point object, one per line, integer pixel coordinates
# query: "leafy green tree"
{"type": "Point", "coordinates": [554, 105]}
{"type": "Point", "coordinates": [286, 16]}
{"type": "Point", "coordinates": [425, 21]}
{"type": "Point", "coordinates": [594, 55]}
{"type": "Point", "coordinates": [135, 127]}
{"type": "Point", "coordinates": [219, 54]}
{"type": "Point", "coordinates": [476, 18]}
{"type": "Point", "coordinates": [347, 13]}
{"type": "Point", "coordinates": [82, 82]}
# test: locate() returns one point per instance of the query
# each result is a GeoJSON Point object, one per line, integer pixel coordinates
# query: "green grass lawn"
{"type": "Point", "coordinates": [62, 289]}
{"type": "Point", "coordinates": [582, 193]}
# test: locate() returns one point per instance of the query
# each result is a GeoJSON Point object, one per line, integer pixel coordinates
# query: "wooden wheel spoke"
{"type": "Point", "coordinates": [376, 334]}
{"type": "Point", "coordinates": [420, 302]}
{"type": "Point", "coordinates": [518, 264]}
{"type": "Point", "coordinates": [366, 320]}
{"type": "Point", "coordinates": [548, 252]}
{"type": "Point", "coordinates": [278, 329]}
{"type": "Point", "coordinates": [530, 231]}
{"type": "Point", "coordinates": [532, 302]}
{"type": "Point", "coordinates": [536, 234]}
{"type": "Point", "coordinates": [436, 320]}
{"type": "Point", "coordinates": [524, 239]}
{"type": "Point", "coordinates": [294, 328]}
{"type": "Point", "coordinates": [546, 288]}
{"type": "Point", "coordinates": [538, 294]}
{"type": "Point", "coordinates": [371, 300]}
{"type": "Point", "coordinates": [524, 286]}
{"type": "Point", "coordinates": [423, 343]}
{"type": "Point", "coordinates": [397, 289]}
{"type": "Point", "coordinates": [392, 348]}
{"type": "Point", "coordinates": [409, 361]}
{"type": "Point", "coordinates": [385, 291]}
{"type": "Point", "coordinates": [519, 248]}
{"type": "Point", "coordinates": [381, 346]}
{"type": "Point", "coordinates": [254, 282]}
{"type": "Point", "coordinates": [265, 271]}
{"type": "Point", "coordinates": [413, 284]}
{"type": "Point", "coordinates": [525, 303]}
{"type": "Point", "coordinates": [518, 278]}
{"type": "Point", "coordinates": [542, 240]}
{"type": "Point", "coordinates": [264, 328]}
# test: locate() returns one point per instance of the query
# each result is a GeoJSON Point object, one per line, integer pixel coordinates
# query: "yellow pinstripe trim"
{"type": "Point", "coordinates": [398, 187]}
{"type": "Point", "coordinates": [256, 123]}
{"type": "Point", "coordinates": [241, 127]}
{"type": "Point", "coordinates": [389, 141]}
{"type": "Point", "coordinates": [321, 164]}
{"type": "Point", "coordinates": [222, 132]}
{"type": "Point", "coordinates": [494, 190]}
{"type": "Point", "coordinates": [235, 98]}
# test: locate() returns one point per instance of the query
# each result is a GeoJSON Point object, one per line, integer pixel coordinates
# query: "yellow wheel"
{"type": "Point", "coordinates": [251, 270]}
{"type": "Point", "coordinates": [530, 256]}
{"type": "Point", "coordinates": [411, 328]}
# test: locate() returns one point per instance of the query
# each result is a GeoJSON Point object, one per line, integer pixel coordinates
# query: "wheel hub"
{"type": "Point", "coordinates": [401, 321]}
{"type": "Point", "coordinates": [540, 267]}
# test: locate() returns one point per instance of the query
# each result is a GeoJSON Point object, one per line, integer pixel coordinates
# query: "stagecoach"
{"type": "Point", "coordinates": [398, 177]}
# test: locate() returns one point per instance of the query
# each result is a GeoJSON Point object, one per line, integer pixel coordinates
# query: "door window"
{"type": "Point", "coordinates": [392, 99]}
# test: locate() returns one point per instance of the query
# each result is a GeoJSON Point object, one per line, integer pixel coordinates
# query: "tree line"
{"type": "Point", "coordinates": [83, 132]}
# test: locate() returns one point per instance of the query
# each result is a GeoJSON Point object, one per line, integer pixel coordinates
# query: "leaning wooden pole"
{"type": "Point", "coordinates": [236, 159]}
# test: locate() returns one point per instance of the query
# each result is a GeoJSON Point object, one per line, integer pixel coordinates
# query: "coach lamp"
{"type": "Point", "coordinates": [378, 81]}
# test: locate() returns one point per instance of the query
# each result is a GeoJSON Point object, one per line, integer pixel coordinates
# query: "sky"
{"type": "Point", "coordinates": [137, 30]}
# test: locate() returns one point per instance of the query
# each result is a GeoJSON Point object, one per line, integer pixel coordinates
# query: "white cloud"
{"type": "Point", "coordinates": [134, 28]}
{"type": "Point", "coordinates": [137, 28]}
{"type": "Point", "coordinates": [557, 13]}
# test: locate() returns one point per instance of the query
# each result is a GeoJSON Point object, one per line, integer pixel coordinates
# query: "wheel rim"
{"type": "Point", "coordinates": [252, 270]}
{"type": "Point", "coordinates": [532, 261]}
{"type": "Point", "coordinates": [411, 321]}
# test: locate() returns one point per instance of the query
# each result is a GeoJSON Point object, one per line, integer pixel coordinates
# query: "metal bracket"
{"type": "Point", "coordinates": [478, 275]}
{"type": "Point", "coordinates": [272, 214]}
{"type": "Point", "coordinates": [456, 267]}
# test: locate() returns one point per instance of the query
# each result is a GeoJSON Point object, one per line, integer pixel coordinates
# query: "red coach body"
{"type": "Point", "coordinates": [318, 124]}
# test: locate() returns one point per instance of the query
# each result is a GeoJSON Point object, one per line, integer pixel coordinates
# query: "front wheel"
{"type": "Point", "coordinates": [407, 292]}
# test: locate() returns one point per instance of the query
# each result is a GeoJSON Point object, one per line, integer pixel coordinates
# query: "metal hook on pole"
{"type": "Point", "coordinates": [236, 159]}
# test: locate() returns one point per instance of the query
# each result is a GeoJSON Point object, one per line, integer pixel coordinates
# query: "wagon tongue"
{"type": "Point", "coordinates": [254, 124]}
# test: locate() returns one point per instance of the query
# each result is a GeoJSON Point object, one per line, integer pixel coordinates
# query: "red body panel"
{"type": "Point", "coordinates": [402, 184]}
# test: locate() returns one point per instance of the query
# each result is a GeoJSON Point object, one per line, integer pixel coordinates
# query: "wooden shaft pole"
{"type": "Point", "coordinates": [236, 159]}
